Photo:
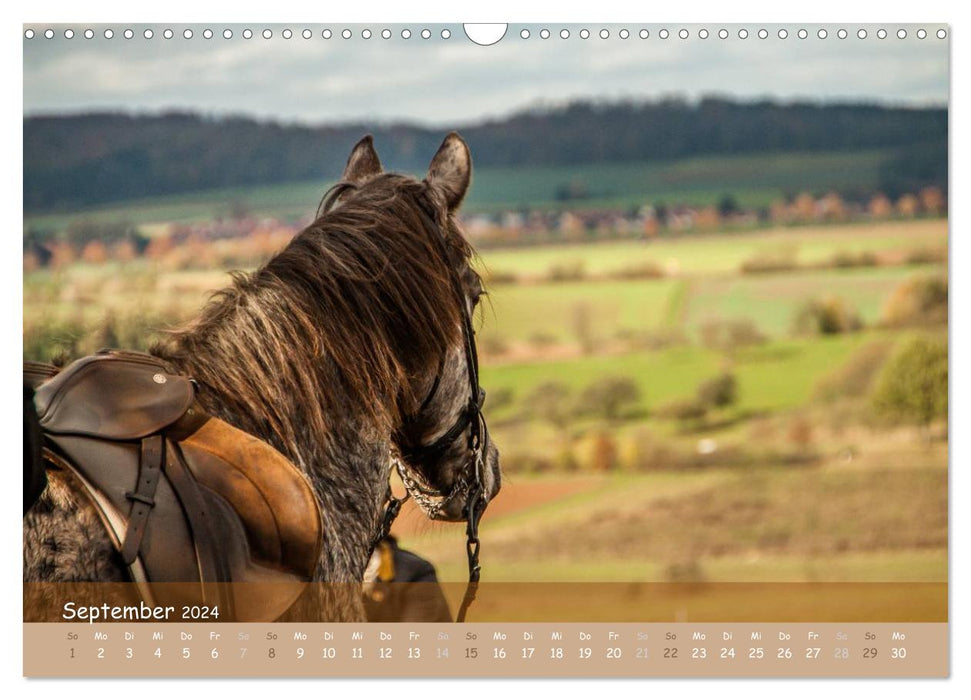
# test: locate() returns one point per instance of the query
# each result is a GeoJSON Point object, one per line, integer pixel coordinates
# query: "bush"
{"type": "Point", "coordinates": [718, 392]}
{"type": "Point", "coordinates": [827, 316]}
{"type": "Point", "coordinates": [683, 410]}
{"type": "Point", "coordinates": [728, 335]}
{"type": "Point", "coordinates": [639, 271]}
{"type": "Point", "coordinates": [855, 377]}
{"type": "Point", "coordinates": [766, 262]}
{"type": "Point", "coordinates": [500, 398]}
{"type": "Point", "coordinates": [549, 401]}
{"type": "Point", "coordinates": [567, 272]}
{"type": "Point", "coordinates": [926, 256]}
{"type": "Point", "coordinates": [913, 384]}
{"type": "Point", "coordinates": [609, 397]}
{"type": "Point", "coordinates": [494, 345]}
{"type": "Point", "coordinates": [917, 301]}
{"type": "Point", "coordinates": [845, 259]}
{"type": "Point", "coordinates": [499, 277]}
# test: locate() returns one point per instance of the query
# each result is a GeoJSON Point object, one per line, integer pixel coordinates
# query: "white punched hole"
{"type": "Point", "coordinates": [68, 33]}
{"type": "Point", "coordinates": [703, 34]}
{"type": "Point", "coordinates": [743, 33]}
{"type": "Point", "coordinates": [763, 34]}
{"type": "Point", "coordinates": [405, 33]}
{"type": "Point", "coordinates": [346, 34]}
{"type": "Point", "coordinates": [366, 34]}
{"type": "Point", "coordinates": [643, 34]}
{"type": "Point", "coordinates": [29, 34]}
{"type": "Point", "coordinates": [446, 34]}
{"type": "Point", "coordinates": [524, 34]}
{"type": "Point", "coordinates": [921, 33]}
{"type": "Point", "coordinates": [487, 34]}
{"type": "Point", "coordinates": [207, 34]}
{"type": "Point", "coordinates": [129, 34]}
{"type": "Point", "coordinates": [901, 33]}
{"type": "Point", "coordinates": [802, 33]}
{"type": "Point", "coordinates": [267, 34]}
{"type": "Point", "coordinates": [822, 34]}
{"type": "Point", "coordinates": [544, 33]}
{"type": "Point", "coordinates": [881, 34]}
{"type": "Point", "coordinates": [227, 33]}
{"type": "Point", "coordinates": [604, 34]}
{"type": "Point", "coordinates": [109, 34]}
{"type": "Point", "coordinates": [584, 33]}
{"type": "Point", "coordinates": [683, 33]}
{"type": "Point", "coordinates": [664, 33]}
{"type": "Point", "coordinates": [327, 34]}
{"type": "Point", "coordinates": [49, 34]}
{"type": "Point", "coordinates": [148, 34]}
{"type": "Point", "coordinates": [842, 34]}
{"type": "Point", "coordinates": [287, 33]}
{"type": "Point", "coordinates": [941, 34]}
{"type": "Point", "coordinates": [783, 34]}
{"type": "Point", "coordinates": [564, 33]}
{"type": "Point", "coordinates": [861, 34]}
{"type": "Point", "coordinates": [168, 34]}
{"type": "Point", "coordinates": [385, 33]}
{"type": "Point", "coordinates": [426, 34]}
{"type": "Point", "coordinates": [722, 33]}
{"type": "Point", "coordinates": [623, 33]}
{"type": "Point", "coordinates": [89, 33]}
{"type": "Point", "coordinates": [306, 33]}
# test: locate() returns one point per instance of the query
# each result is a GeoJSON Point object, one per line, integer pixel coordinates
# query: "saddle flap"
{"type": "Point", "coordinates": [113, 396]}
{"type": "Point", "coordinates": [270, 495]}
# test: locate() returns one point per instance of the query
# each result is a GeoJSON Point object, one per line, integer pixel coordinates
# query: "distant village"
{"type": "Point", "coordinates": [244, 239]}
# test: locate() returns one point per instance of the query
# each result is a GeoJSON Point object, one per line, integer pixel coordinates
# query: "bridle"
{"type": "Point", "coordinates": [470, 481]}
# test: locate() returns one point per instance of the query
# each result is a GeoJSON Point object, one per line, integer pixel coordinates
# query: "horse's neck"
{"type": "Point", "coordinates": [347, 467]}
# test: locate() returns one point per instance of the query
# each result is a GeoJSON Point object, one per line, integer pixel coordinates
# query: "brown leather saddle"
{"type": "Point", "coordinates": [185, 497]}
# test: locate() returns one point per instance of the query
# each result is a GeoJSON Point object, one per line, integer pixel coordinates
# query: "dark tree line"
{"type": "Point", "coordinates": [87, 159]}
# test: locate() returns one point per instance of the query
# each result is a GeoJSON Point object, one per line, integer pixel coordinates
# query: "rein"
{"type": "Point", "coordinates": [430, 499]}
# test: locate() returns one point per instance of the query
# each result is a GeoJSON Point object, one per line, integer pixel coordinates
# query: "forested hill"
{"type": "Point", "coordinates": [79, 160]}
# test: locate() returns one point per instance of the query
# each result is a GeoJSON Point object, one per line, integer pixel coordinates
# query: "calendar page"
{"type": "Point", "coordinates": [521, 350]}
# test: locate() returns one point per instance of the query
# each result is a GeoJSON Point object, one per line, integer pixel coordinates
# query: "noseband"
{"type": "Point", "coordinates": [471, 481]}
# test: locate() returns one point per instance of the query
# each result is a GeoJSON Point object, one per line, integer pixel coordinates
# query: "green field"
{"type": "Point", "coordinates": [754, 182]}
{"type": "Point", "coordinates": [774, 376]}
{"type": "Point", "coordinates": [724, 252]}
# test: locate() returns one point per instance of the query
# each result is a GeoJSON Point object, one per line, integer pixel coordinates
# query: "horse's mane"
{"type": "Point", "coordinates": [344, 319]}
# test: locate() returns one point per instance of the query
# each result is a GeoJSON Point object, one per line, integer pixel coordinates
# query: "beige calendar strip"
{"type": "Point", "coordinates": [486, 649]}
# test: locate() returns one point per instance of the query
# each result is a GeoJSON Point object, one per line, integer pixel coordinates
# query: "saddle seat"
{"type": "Point", "coordinates": [185, 497]}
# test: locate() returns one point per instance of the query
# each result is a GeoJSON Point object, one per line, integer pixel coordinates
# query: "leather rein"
{"type": "Point", "coordinates": [430, 499]}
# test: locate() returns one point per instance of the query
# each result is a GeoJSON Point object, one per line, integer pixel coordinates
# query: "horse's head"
{"type": "Point", "coordinates": [447, 459]}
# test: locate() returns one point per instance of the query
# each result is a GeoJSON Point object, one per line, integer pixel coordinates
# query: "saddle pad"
{"type": "Point", "coordinates": [114, 397]}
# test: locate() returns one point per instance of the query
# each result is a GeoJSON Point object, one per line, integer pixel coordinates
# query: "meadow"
{"type": "Point", "coordinates": [782, 481]}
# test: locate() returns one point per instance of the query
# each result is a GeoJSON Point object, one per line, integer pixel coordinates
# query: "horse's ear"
{"type": "Point", "coordinates": [451, 170]}
{"type": "Point", "coordinates": [363, 162]}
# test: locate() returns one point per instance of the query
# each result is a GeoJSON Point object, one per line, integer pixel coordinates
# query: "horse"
{"type": "Point", "coordinates": [349, 351]}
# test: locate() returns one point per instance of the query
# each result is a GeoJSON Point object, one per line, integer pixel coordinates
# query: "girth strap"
{"type": "Point", "coordinates": [143, 497]}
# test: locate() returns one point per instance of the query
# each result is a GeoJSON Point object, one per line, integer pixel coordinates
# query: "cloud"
{"type": "Point", "coordinates": [439, 82]}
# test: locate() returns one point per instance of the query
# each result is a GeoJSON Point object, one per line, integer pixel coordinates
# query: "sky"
{"type": "Point", "coordinates": [439, 82]}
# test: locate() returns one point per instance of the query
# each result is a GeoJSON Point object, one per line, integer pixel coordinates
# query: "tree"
{"type": "Point", "coordinates": [549, 401]}
{"type": "Point", "coordinates": [719, 392]}
{"type": "Point", "coordinates": [609, 397]}
{"type": "Point", "coordinates": [913, 384]}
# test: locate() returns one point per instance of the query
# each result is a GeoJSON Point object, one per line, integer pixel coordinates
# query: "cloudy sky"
{"type": "Point", "coordinates": [450, 81]}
